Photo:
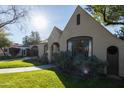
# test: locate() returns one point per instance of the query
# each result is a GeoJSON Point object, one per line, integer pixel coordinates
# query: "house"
{"type": "Point", "coordinates": [42, 48]}
{"type": "Point", "coordinates": [84, 35]}
{"type": "Point", "coordinates": [17, 50]}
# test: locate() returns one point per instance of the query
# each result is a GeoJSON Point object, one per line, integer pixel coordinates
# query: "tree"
{"type": "Point", "coordinates": [10, 15]}
{"type": "Point", "coordinates": [120, 33]}
{"type": "Point", "coordinates": [4, 41]}
{"type": "Point", "coordinates": [32, 39]}
{"type": "Point", "coordinates": [26, 40]}
{"type": "Point", "coordinates": [108, 14]}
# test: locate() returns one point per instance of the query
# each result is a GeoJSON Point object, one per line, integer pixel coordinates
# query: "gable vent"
{"type": "Point", "coordinates": [78, 19]}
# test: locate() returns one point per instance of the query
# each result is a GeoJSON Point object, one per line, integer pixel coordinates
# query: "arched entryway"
{"type": "Point", "coordinates": [113, 59]}
{"type": "Point", "coordinates": [34, 51]}
{"type": "Point", "coordinates": [55, 48]}
{"type": "Point", "coordinates": [45, 48]}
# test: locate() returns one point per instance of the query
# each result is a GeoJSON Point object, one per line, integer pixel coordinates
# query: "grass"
{"type": "Point", "coordinates": [34, 79]}
{"type": "Point", "coordinates": [19, 63]}
{"type": "Point", "coordinates": [52, 79]}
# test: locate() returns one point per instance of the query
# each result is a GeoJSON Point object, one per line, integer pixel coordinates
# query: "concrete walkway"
{"type": "Point", "coordinates": [25, 69]}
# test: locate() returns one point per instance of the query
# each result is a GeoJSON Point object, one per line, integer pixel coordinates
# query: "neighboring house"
{"type": "Point", "coordinates": [17, 50]}
{"type": "Point", "coordinates": [21, 50]}
{"type": "Point", "coordinates": [84, 35]}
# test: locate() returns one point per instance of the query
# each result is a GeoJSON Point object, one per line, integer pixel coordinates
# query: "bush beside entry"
{"type": "Point", "coordinates": [79, 64]}
{"type": "Point", "coordinates": [44, 59]}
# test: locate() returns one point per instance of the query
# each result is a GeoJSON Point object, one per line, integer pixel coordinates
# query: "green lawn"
{"type": "Point", "coordinates": [19, 63]}
{"type": "Point", "coordinates": [51, 79]}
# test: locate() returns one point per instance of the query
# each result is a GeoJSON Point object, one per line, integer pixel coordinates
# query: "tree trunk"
{"type": "Point", "coordinates": [3, 52]}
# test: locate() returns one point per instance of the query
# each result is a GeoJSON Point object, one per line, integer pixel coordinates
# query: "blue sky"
{"type": "Point", "coordinates": [57, 15]}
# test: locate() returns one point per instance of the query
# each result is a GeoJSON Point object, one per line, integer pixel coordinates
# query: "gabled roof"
{"type": "Point", "coordinates": [55, 29]}
{"type": "Point", "coordinates": [81, 10]}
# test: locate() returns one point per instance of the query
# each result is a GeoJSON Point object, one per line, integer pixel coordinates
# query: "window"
{"type": "Point", "coordinates": [81, 45]}
{"type": "Point", "coordinates": [24, 52]}
{"type": "Point", "coordinates": [78, 19]}
{"type": "Point", "coordinates": [90, 48]}
{"type": "Point", "coordinates": [70, 46]}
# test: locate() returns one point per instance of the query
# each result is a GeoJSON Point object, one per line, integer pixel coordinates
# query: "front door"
{"type": "Point", "coordinates": [112, 58]}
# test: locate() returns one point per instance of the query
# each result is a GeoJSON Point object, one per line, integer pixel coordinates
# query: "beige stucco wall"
{"type": "Point", "coordinates": [41, 49]}
{"type": "Point", "coordinates": [54, 37]}
{"type": "Point", "coordinates": [102, 39]}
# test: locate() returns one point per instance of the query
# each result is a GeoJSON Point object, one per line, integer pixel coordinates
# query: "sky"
{"type": "Point", "coordinates": [55, 15]}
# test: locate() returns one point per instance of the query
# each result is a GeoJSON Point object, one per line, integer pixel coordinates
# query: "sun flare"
{"type": "Point", "coordinates": [39, 22]}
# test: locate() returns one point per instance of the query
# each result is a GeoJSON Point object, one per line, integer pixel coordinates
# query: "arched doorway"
{"type": "Point", "coordinates": [55, 47]}
{"type": "Point", "coordinates": [112, 58]}
{"type": "Point", "coordinates": [45, 48]}
{"type": "Point", "coordinates": [34, 51]}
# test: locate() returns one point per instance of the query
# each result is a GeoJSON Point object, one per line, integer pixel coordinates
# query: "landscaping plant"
{"type": "Point", "coordinates": [79, 64]}
{"type": "Point", "coordinates": [44, 59]}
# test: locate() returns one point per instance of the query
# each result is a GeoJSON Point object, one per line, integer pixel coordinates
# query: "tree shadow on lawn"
{"type": "Point", "coordinates": [32, 61]}
{"type": "Point", "coordinates": [35, 62]}
{"type": "Point", "coordinates": [9, 58]}
{"type": "Point", "coordinates": [16, 63]}
{"type": "Point", "coordinates": [74, 82]}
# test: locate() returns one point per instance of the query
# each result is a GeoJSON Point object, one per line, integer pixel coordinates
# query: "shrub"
{"type": "Point", "coordinates": [44, 59]}
{"type": "Point", "coordinates": [89, 65]}
{"type": "Point", "coordinates": [79, 64]}
{"type": "Point", "coordinates": [64, 60]}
